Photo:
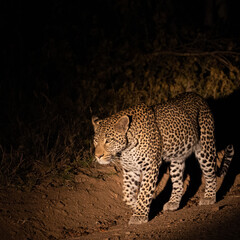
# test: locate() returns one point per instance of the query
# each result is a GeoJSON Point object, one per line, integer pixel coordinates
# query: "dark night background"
{"type": "Point", "coordinates": [63, 61]}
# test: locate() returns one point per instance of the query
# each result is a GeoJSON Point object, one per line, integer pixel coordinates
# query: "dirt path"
{"type": "Point", "coordinates": [92, 208]}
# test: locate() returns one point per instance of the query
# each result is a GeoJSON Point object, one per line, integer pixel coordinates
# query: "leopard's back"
{"type": "Point", "coordinates": [178, 124]}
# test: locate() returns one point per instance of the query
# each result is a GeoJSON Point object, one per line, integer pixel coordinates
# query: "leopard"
{"type": "Point", "coordinates": [142, 137]}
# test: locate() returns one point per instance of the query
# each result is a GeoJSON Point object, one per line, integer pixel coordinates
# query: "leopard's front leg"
{"type": "Point", "coordinates": [144, 198]}
{"type": "Point", "coordinates": [131, 184]}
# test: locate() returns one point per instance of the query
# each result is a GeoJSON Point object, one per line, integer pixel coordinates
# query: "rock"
{"type": "Point", "coordinates": [60, 204]}
{"type": "Point", "coordinates": [215, 208]}
{"type": "Point", "coordinates": [44, 196]}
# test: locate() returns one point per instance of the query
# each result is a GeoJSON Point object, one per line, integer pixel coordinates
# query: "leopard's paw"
{"type": "Point", "coordinates": [207, 201]}
{"type": "Point", "coordinates": [170, 206]}
{"type": "Point", "coordinates": [135, 219]}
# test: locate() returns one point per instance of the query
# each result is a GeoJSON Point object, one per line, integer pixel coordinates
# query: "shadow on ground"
{"type": "Point", "coordinates": [227, 122]}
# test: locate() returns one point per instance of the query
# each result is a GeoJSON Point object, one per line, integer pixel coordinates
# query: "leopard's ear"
{"type": "Point", "coordinates": [122, 124]}
{"type": "Point", "coordinates": [95, 122]}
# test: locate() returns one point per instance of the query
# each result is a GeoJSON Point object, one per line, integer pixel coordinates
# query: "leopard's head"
{"type": "Point", "coordinates": [110, 137]}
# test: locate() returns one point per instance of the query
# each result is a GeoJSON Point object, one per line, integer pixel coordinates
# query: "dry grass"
{"type": "Point", "coordinates": [47, 129]}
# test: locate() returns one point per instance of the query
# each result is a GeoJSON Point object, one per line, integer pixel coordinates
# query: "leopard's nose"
{"type": "Point", "coordinates": [99, 153]}
{"type": "Point", "coordinates": [99, 156]}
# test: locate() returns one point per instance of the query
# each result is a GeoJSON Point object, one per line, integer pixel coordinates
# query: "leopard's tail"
{"type": "Point", "coordinates": [226, 161]}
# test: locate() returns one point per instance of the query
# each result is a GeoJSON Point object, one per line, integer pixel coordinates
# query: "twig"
{"type": "Point", "coordinates": [191, 54]}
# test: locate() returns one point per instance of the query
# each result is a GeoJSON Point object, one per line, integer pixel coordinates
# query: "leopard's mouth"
{"type": "Point", "coordinates": [108, 158]}
{"type": "Point", "coordinates": [104, 160]}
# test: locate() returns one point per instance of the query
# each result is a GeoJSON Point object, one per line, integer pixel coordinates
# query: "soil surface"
{"type": "Point", "coordinates": [91, 207]}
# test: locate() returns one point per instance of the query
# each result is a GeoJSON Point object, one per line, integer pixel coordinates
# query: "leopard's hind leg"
{"type": "Point", "coordinates": [205, 152]}
{"type": "Point", "coordinates": [176, 173]}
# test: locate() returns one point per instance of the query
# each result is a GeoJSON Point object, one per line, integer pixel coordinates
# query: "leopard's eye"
{"type": "Point", "coordinates": [107, 141]}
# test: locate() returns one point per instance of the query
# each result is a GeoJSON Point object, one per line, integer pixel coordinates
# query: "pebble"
{"type": "Point", "coordinates": [215, 208]}
{"type": "Point", "coordinates": [80, 179]}
{"type": "Point", "coordinates": [60, 204]}
{"type": "Point", "coordinates": [44, 196]}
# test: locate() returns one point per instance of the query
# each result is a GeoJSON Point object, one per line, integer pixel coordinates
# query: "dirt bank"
{"type": "Point", "coordinates": [91, 207]}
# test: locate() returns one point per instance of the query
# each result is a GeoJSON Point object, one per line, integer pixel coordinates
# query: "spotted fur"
{"type": "Point", "coordinates": [143, 136]}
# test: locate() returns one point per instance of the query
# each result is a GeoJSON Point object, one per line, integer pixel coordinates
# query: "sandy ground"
{"type": "Point", "coordinates": [91, 207]}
